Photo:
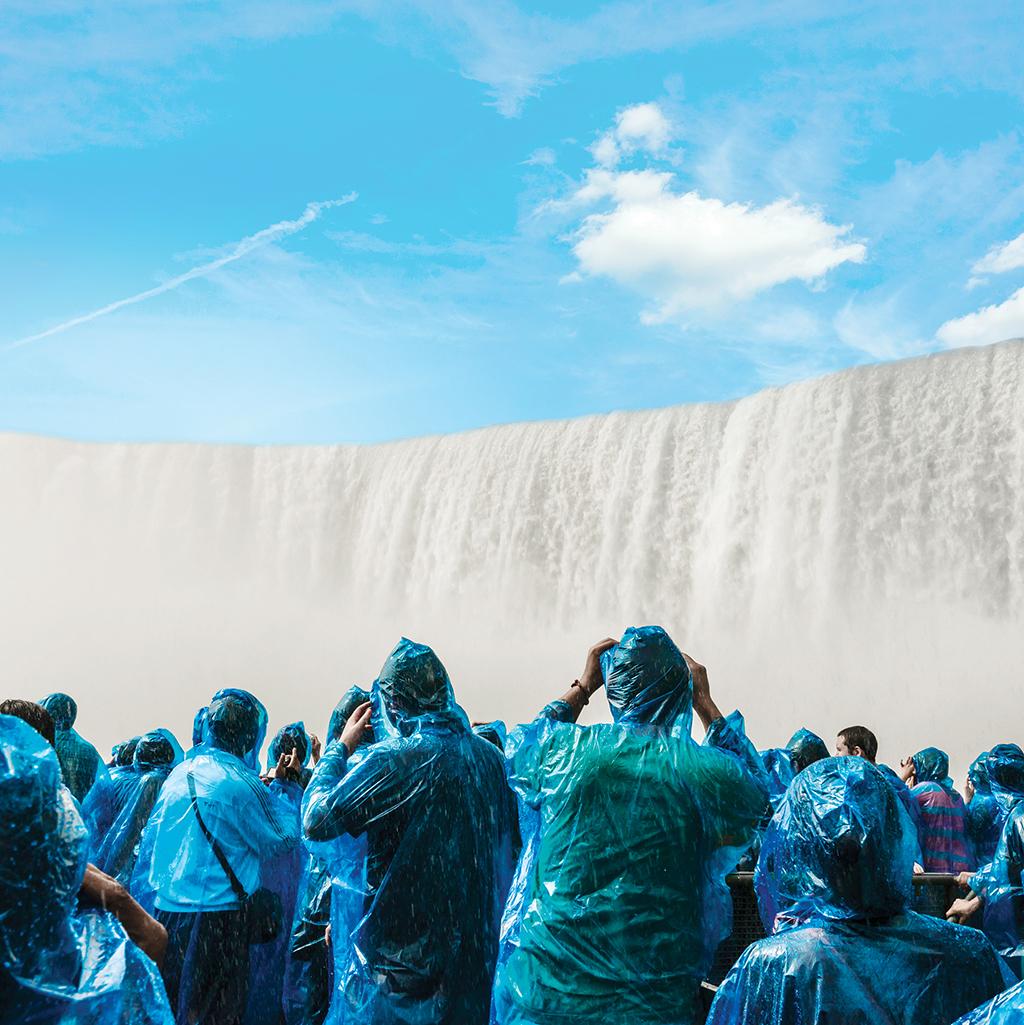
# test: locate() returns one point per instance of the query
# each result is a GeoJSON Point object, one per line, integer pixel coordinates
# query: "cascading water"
{"type": "Point", "coordinates": [848, 549]}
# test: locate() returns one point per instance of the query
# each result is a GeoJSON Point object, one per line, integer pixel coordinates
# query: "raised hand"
{"type": "Point", "coordinates": [357, 728]}
{"type": "Point", "coordinates": [289, 766]}
{"type": "Point", "coordinates": [592, 679]}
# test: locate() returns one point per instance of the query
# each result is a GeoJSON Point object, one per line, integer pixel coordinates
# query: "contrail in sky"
{"type": "Point", "coordinates": [237, 251]}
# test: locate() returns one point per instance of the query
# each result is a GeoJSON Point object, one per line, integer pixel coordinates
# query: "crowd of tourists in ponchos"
{"type": "Point", "coordinates": [422, 871]}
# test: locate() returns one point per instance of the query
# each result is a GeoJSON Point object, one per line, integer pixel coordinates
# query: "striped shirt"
{"type": "Point", "coordinates": [943, 829]}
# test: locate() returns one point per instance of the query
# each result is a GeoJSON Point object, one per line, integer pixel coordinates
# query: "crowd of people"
{"type": "Point", "coordinates": [417, 869]}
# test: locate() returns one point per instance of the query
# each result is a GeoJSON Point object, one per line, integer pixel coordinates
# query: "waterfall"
{"type": "Point", "coordinates": [842, 550]}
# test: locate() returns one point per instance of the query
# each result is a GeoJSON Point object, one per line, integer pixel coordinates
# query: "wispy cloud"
{"type": "Point", "coordinates": [239, 249]}
{"type": "Point", "coordinates": [999, 259]}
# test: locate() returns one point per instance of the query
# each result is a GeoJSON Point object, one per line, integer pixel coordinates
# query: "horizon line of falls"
{"type": "Point", "coordinates": [847, 549]}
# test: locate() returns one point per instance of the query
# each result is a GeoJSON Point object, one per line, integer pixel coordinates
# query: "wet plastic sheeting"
{"type": "Point", "coordinates": [431, 801]}
{"type": "Point", "coordinates": [350, 701]}
{"type": "Point", "coordinates": [493, 732]}
{"type": "Point", "coordinates": [806, 748]}
{"type": "Point", "coordinates": [306, 985]}
{"type": "Point", "coordinates": [79, 760]}
{"type": "Point", "coordinates": [308, 973]}
{"type": "Point", "coordinates": [292, 737]}
{"type": "Point", "coordinates": [1005, 1009]}
{"type": "Point", "coordinates": [624, 902]}
{"type": "Point", "coordinates": [779, 772]}
{"type": "Point", "coordinates": [177, 869]}
{"type": "Point", "coordinates": [998, 780]}
{"type": "Point", "coordinates": [840, 806]}
{"type": "Point", "coordinates": [834, 881]}
{"type": "Point", "coordinates": [57, 966]}
{"type": "Point", "coordinates": [1001, 885]}
{"type": "Point", "coordinates": [529, 835]}
{"type": "Point", "coordinates": [281, 872]}
{"type": "Point", "coordinates": [133, 795]}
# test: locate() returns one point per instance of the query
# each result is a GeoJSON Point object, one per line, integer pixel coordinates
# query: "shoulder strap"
{"type": "Point", "coordinates": [236, 886]}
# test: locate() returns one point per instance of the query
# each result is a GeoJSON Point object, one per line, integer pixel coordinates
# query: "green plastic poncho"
{"type": "Point", "coordinates": [625, 902]}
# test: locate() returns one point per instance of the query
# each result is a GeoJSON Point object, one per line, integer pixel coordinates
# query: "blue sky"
{"type": "Point", "coordinates": [551, 210]}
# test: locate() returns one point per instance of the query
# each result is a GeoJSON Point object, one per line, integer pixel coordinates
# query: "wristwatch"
{"type": "Point", "coordinates": [586, 696]}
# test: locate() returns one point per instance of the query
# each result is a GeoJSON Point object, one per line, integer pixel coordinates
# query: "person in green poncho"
{"type": "Point", "coordinates": [625, 902]}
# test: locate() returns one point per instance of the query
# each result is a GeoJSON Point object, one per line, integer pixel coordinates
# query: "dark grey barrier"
{"type": "Point", "coordinates": [933, 894]}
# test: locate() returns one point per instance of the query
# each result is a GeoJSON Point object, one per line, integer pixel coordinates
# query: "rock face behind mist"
{"type": "Point", "coordinates": [850, 547]}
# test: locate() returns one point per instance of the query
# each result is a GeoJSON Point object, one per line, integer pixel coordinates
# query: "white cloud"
{"type": "Point", "coordinates": [237, 250]}
{"type": "Point", "coordinates": [543, 157]}
{"type": "Point", "coordinates": [1000, 259]}
{"type": "Point", "coordinates": [684, 251]}
{"type": "Point", "coordinates": [993, 323]}
{"type": "Point", "coordinates": [642, 127]}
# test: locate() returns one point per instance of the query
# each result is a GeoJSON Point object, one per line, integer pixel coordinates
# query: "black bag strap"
{"type": "Point", "coordinates": [236, 886]}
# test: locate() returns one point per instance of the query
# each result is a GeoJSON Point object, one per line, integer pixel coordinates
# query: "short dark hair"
{"type": "Point", "coordinates": [35, 715]}
{"type": "Point", "coordinates": [862, 737]}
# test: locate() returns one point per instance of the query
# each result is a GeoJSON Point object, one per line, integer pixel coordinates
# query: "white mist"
{"type": "Point", "coordinates": [844, 550]}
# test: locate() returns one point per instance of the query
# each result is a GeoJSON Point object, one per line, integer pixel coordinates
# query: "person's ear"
{"type": "Point", "coordinates": [858, 752]}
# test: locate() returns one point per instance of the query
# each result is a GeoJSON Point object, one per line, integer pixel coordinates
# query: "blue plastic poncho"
{"type": "Point", "coordinates": [625, 901]}
{"type": "Point", "coordinates": [79, 760]}
{"type": "Point", "coordinates": [280, 871]}
{"type": "Point", "coordinates": [909, 805]}
{"type": "Point", "coordinates": [179, 875]}
{"type": "Point", "coordinates": [292, 737]}
{"type": "Point", "coordinates": [805, 748]}
{"type": "Point", "coordinates": [781, 764]}
{"type": "Point", "coordinates": [834, 881]}
{"type": "Point", "coordinates": [997, 777]}
{"type": "Point", "coordinates": [121, 755]}
{"type": "Point", "coordinates": [1001, 885]}
{"type": "Point", "coordinates": [432, 802]}
{"type": "Point", "coordinates": [942, 828]}
{"type": "Point", "coordinates": [177, 869]}
{"type": "Point", "coordinates": [1005, 1009]}
{"type": "Point", "coordinates": [199, 728]}
{"type": "Point", "coordinates": [115, 851]}
{"type": "Point", "coordinates": [350, 701]}
{"type": "Point", "coordinates": [307, 986]}
{"type": "Point", "coordinates": [493, 732]}
{"type": "Point", "coordinates": [778, 768]}
{"type": "Point", "coordinates": [528, 844]}
{"type": "Point", "coordinates": [58, 967]}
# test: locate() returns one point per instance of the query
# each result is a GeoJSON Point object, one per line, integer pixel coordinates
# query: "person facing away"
{"type": "Point", "coordinates": [997, 890]}
{"type": "Point", "coordinates": [625, 904]}
{"type": "Point", "coordinates": [943, 824]}
{"type": "Point", "coordinates": [121, 755]}
{"type": "Point", "coordinates": [834, 885]}
{"type": "Point", "coordinates": [79, 760]}
{"type": "Point", "coordinates": [153, 757]}
{"type": "Point", "coordinates": [280, 872]}
{"type": "Point", "coordinates": [995, 784]}
{"type": "Point", "coordinates": [58, 965]}
{"type": "Point", "coordinates": [781, 764]}
{"type": "Point", "coordinates": [806, 748]}
{"type": "Point", "coordinates": [433, 804]}
{"type": "Point", "coordinates": [213, 815]}
{"type": "Point", "coordinates": [307, 977]}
